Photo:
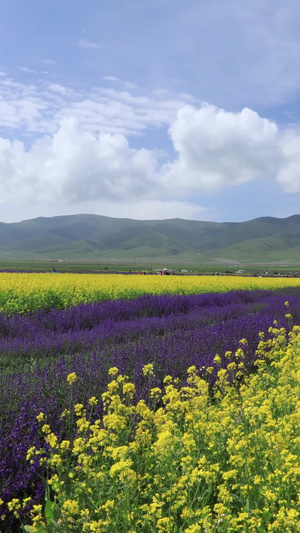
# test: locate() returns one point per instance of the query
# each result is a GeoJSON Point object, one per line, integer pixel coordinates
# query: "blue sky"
{"type": "Point", "coordinates": [150, 109]}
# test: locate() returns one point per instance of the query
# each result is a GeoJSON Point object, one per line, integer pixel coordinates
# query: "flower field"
{"type": "Point", "coordinates": [20, 293]}
{"type": "Point", "coordinates": [149, 404]}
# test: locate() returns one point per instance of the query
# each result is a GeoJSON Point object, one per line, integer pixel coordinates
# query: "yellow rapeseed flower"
{"type": "Point", "coordinates": [71, 378]}
{"type": "Point", "coordinates": [70, 507]}
{"type": "Point", "coordinates": [113, 371]}
{"type": "Point", "coordinates": [148, 370]}
{"type": "Point", "coordinates": [93, 401]}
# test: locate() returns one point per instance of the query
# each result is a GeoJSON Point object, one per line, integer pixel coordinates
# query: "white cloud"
{"type": "Point", "coordinates": [23, 106]}
{"type": "Point", "coordinates": [110, 78]}
{"type": "Point", "coordinates": [144, 209]}
{"type": "Point", "coordinates": [58, 88]}
{"type": "Point", "coordinates": [123, 83]}
{"type": "Point", "coordinates": [88, 45]}
{"type": "Point", "coordinates": [289, 173]}
{"type": "Point", "coordinates": [75, 166]}
{"type": "Point", "coordinates": [84, 156]}
{"type": "Point", "coordinates": [100, 109]}
{"type": "Point", "coordinates": [217, 148]}
{"type": "Point", "coordinates": [128, 85]}
{"type": "Point", "coordinates": [27, 70]}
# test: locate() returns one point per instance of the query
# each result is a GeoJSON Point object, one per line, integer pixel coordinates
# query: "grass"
{"type": "Point", "coordinates": [203, 265]}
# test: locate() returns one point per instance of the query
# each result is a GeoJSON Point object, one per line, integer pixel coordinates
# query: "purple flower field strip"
{"type": "Point", "coordinates": [170, 332]}
{"type": "Point", "coordinates": [49, 334]}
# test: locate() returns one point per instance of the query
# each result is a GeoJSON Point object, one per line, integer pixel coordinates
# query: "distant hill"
{"type": "Point", "coordinates": [95, 236]}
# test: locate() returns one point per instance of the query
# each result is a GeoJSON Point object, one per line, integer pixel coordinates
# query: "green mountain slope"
{"type": "Point", "coordinates": [94, 236]}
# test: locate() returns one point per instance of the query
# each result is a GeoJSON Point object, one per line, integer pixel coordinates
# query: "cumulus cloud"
{"type": "Point", "coordinates": [213, 148]}
{"type": "Point", "coordinates": [217, 148]}
{"type": "Point", "coordinates": [75, 166]}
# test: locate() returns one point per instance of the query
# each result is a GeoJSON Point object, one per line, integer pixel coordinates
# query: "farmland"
{"type": "Point", "coordinates": [150, 403]}
{"type": "Point", "coordinates": [23, 293]}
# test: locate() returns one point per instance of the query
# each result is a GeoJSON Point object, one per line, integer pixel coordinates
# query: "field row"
{"type": "Point", "coordinates": [21, 293]}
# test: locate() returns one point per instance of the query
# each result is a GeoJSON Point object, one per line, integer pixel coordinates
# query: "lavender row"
{"type": "Point", "coordinates": [170, 332]}
{"type": "Point", "coordinates": [94, 326]}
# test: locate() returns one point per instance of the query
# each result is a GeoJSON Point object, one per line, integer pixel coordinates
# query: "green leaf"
{"type": "Point", "coordinates": [48, 510]}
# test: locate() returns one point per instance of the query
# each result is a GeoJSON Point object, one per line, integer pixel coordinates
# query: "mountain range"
{"type": "Point", "coordinates": [95, 236]}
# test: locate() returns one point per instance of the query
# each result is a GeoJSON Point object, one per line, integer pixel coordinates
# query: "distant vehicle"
{"type": "Point", "coordinates": [240, 272]}
{"type": "Point", "coordinates": [165, 272]}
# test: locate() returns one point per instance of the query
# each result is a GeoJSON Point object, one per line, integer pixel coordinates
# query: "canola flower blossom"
{"type": "Point", "coordinates": [190, 460]}
{"type": "Point", "coordinates": [23, 292]}
{"type": "Point", "coordinates": [71, 378]}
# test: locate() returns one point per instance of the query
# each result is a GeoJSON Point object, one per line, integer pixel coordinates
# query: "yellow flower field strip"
{"type": "Point", "coordinates": [117, 284]}
{"type": "Point", "coordinates": [21, 292]}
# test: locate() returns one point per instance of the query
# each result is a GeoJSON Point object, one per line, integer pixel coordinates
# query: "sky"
{"type": "Point", "coordinates": [150, 109]}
